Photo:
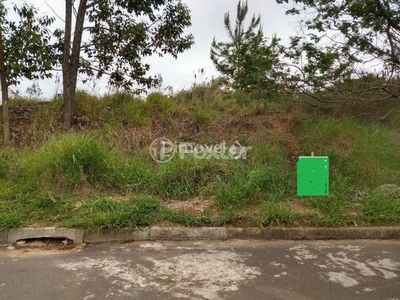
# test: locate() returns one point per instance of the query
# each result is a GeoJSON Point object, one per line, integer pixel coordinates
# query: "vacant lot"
{"type": "Point", "coordinates": [101, 174]}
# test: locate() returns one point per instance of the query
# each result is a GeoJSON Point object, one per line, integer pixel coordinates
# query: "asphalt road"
{"type": "Point", "coordinates": [205, 270]}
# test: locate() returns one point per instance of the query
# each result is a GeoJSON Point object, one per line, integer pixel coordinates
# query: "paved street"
{"type": "Point", "coordinates": [205, 270]}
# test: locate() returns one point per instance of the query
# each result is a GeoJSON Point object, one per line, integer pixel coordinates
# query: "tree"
{"type": "Point", "coordinates": [121, 33]}
{"type": "Point", "coordinates": [34, 91]}
{"type": "Point", "coordinates": [25, 52]}
{"type": "Point", "coordinates": [347, 40]}
{"type": "Point", "coordinates": [246, 61]}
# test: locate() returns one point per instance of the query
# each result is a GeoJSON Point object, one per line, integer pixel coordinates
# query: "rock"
{"type": "Point", "coordinates": [21, 242]}
{"type": "Point", "coordinates": [389, 190]}
{"type": "Point", "coordinates": [358, 195]}
{"type": "Point", "coordinates": [10, 248]}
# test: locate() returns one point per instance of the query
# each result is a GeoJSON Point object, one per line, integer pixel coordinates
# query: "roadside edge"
{"type": "Point", "coordinates": [80, 236]}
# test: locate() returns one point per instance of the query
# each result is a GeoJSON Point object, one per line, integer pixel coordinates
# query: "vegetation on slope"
{"type": "Point", "coordinates": [101, 174]}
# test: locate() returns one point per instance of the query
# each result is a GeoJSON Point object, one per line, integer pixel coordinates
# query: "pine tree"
{"type": "Point", "coordinates": [246, 62]}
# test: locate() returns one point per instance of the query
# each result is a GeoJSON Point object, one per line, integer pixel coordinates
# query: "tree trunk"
{"type": "Point", "coordinates": [71, 58]}
{"type": "Point", "coordinates": [4, 93]}
{"type": "Point", "coordinates": [66, 66]}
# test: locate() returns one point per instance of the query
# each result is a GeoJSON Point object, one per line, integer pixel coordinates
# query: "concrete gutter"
{"type": "Point", "coordinates": [80, 236]}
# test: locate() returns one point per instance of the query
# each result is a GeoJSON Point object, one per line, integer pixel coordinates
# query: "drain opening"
{"type": "Point", "coordinates": [45, 242]}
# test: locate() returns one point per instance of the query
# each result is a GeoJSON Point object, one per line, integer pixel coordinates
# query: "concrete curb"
{"type": "Point", "coordinates": [116, 235]}
{"type": "Point", "coordinates": [188, 233]}
{"type": "Point", "coordinates": [3, 236]}
{"type": "Point", "coordinates": [80, 236]}
{"type": "Point", "coordinates": [273, 233]}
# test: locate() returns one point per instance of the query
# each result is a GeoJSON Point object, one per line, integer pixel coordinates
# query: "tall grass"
{"type": "Point", "coordinates": [68, 160]}
{"type": "Point", "coordinates": [252, 185]}
{"type": "Point", "coordinates": [363, 153]}
{"type": "Point", "coordinates": [101, 175]}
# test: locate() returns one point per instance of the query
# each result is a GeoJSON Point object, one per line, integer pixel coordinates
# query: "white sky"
{"type": "Point", "coordinates": [207, 22]}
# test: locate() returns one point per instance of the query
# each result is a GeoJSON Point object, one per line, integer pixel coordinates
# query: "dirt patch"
{"type": "Point", "coordinates": [21, 123]}
{"type": "Point", "coordinates": [195, 206]}
{"type": "Point", "coordinates": [287, 127]}
{"type": "Point", "coordinates": [84, 190]}
{"type": "Point", "coordinates": [354, 211]}
{"type": "Point", "coordinates": [44, 246]}
{"type": "Point", "coordinates": [26, 252]}
{"type": "Point", "coordinates": [275, 122]}
{"type": "Point", "coordinates": [299, 208]}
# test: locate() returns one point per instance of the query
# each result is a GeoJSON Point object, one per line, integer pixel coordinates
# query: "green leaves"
{"type": "Point", "coordinates": [246, 61]}
{"type": "Point", "coordinates": [346, 39]}
{"type": "Point", "coordinates": [123, 32]}
{"type": "Point", "coordinates": [28, 53]}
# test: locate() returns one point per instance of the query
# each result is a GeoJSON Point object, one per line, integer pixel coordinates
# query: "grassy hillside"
{"type": "Point", "coordinates": [101, 175]}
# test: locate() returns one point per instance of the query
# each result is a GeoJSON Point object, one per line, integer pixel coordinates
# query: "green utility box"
{"type": "Point", "coordinates": [313, 176]}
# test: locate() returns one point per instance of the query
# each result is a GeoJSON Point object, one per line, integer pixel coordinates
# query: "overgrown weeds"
{"type": "Point", "coordinates": [101, 175]}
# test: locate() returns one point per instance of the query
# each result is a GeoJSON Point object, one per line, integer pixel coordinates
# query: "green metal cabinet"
{"type": "Point", "coordinates": [313, 176]}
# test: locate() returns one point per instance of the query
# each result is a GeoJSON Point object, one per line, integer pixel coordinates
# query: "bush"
{"type": "Point", "coordinates": [67, 161]}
